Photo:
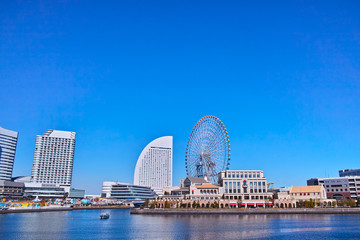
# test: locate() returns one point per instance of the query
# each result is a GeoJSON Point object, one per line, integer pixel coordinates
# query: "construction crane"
{"type": "Point", "coordinates": [270, 185]}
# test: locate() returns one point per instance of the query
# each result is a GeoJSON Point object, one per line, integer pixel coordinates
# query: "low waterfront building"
{"type": "Point", "coordinates": [201, 189]}
{"type": "Point", "coordinates": [193, 192]}
{"type": "Point", "coordinates": [289, 198]}
{"type": "Point", "coordinates": [76, 193]}
{"type": "Point", "coordinates": [305, 193]}
{"type": "Point", "coordinates": [92, 196]}
{"type": "Point", "coordinates": [339, 187]}
{"type": "Point", "coordinates": [235, 189]}
{"type": "Point", "coordinates": [282, 198]}
{"type": "Point", "coordinates": [168, 190]}
{"type": "Point", "coordinates": [11, 190]}
{"type": "Point", "coordinates": [42, 190]}
{"type": "Point", "coordinates": [126, 192]}
{"type": "Point", "coordinates": [247, 188]}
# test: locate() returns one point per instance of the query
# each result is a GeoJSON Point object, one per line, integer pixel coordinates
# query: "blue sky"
{"type": "Point", "coordinates": [283, 76]}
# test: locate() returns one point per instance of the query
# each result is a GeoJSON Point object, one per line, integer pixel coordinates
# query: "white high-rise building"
{"type": "Point", "coordinates": [154, 166]}
{"type": "Point", "coordinates": [54, 158]}
{"type": "Point", "coordinates": [8, 142]}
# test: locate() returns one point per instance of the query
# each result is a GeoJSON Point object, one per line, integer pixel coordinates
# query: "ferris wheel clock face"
{"type": "Point", "coordinates": [208, 149]}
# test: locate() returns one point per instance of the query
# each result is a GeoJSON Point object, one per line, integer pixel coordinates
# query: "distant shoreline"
{"type": "Point", "coordinates": [183, 211]}
{"type": "Point", "coordinates": [59, 209]}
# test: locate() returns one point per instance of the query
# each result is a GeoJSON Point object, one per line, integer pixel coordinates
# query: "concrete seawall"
{"type": "Point", "coordinates": [101, 207]}
{"type": "Point", "coordinates": [247, 211]}
{"type": "Point", "coordinates": [30, 210]}
{"type": "Point", "coordinates": [59, 209]}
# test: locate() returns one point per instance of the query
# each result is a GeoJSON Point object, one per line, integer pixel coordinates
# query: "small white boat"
{"type": "Point", "coordinates": [104, 216]}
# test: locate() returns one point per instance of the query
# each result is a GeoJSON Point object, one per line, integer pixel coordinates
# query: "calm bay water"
{"type": "Point", "coordinates": [85, 224]}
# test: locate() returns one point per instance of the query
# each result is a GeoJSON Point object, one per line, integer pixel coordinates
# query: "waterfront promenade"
{"type": "Point", "coordinates": [181, 211]}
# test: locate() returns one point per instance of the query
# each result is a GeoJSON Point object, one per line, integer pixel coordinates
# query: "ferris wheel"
{"type": "Point", "coordinates": [208, 149]}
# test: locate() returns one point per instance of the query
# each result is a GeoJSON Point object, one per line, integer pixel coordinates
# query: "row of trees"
{"type": "Point", "coordinates": [195, 204]}
{"type": "Point", "coordinates": [344, 202]}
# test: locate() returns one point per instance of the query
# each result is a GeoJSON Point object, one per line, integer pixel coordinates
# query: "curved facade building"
{"type": "Point", "coordinates": [127, 192]}
{"type": "Point", "coordinates": [154, 166]}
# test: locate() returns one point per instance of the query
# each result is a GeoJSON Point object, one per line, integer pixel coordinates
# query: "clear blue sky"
{"type": "Point", "coordinates": [284, 76]}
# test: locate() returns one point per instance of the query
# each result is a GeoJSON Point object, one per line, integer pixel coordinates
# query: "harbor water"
{"type": "Point", "coordinates": [86, 224]}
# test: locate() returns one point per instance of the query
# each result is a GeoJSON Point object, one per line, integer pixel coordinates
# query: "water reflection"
{"type": "Point", "coordinates": [122, 225]}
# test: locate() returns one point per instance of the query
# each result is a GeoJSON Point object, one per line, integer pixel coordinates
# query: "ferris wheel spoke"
{"type": "Point", "coordinates": [218, 141]}
{"type": "Point", "coordinates": [207, 151]}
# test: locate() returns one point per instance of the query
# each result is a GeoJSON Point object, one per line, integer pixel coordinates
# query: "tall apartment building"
{"type": "Point", "coordinates": [54, 158]}
{"type": "Point", "coordinates": [154, 166]}
{"type": "Point", "coordinates": [8, 142]}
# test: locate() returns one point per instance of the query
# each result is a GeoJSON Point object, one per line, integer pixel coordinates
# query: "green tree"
{"type": "Point", "coordinates": [311, 203]}
{"type": "Point", "coordinates": [167, 204]}
{"type": "Point", "coordinates": [340, 203]}
{"type": "Point", "coordinates": [194, 204]}
{"type": "Point", "coordinates": [146, 202]}
{"type": "Point", "coordinates": [153, 204]}
{"type": "Point", "coordinates": [351, 203]}
{"type": "Point", "coordinates": [240, 201]}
